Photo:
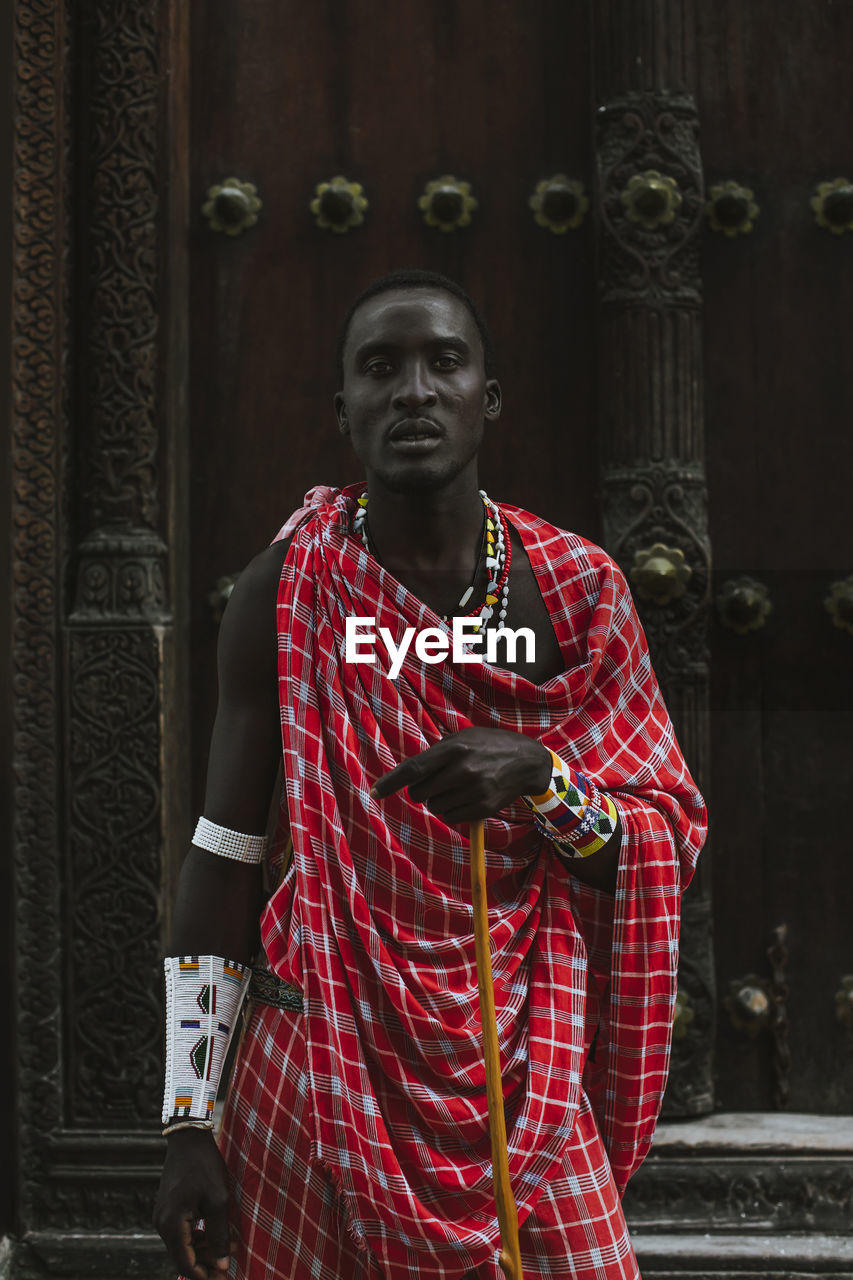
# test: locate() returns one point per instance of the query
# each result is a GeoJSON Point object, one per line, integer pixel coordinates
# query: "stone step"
{"type": "Point", "coordinates": [741, 1257]}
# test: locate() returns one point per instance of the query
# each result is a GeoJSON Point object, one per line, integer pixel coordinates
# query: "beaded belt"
{"type": "Point", "coordinates": [268, 988]}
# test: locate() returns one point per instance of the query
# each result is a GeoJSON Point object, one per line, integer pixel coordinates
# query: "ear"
{"type": "Point", "coordinates": [341, 413]}
{"type": "Point", "coordinates": [494, 400]}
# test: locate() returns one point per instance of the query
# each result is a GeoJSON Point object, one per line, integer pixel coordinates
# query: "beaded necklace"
{"type": "Point", "coordinates": [498, 558]}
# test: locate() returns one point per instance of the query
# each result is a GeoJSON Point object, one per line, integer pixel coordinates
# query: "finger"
{"type": "Point", "coordinates": [210, 1257]}
{"type": "Point", "coordinates": [407, 771]}
{"type": "Point", "coordinates": [459, 817]}
{"type": "Point", "coordinates": [459, 807]}
{"type": "Point", "coordinates": [447, 803]}
{"type": "Point", "coordinates": [434, 784]}
{"type": "Point", "coordinates": [217, 1236]}
{"type": "Point", "coordinates": [184, 1253]}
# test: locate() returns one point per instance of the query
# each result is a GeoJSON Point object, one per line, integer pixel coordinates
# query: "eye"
{"type": "Point", "coordinates": [448, 361]}
{"type": "Point", "coordinates": [377, 365]}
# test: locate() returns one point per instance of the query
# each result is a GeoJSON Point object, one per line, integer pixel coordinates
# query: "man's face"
{"type": "Point", "coordinates": [413, 367]}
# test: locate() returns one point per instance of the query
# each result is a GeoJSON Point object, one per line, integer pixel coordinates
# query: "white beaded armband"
{"type": "Point", "coordinates": [228, 843]}
{"type": "Point", "coordinates": [204, 995]}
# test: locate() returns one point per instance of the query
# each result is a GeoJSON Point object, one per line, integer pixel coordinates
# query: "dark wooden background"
{"type": "Point", "coordinates": [391, 97]}
{"type": "Point", "coordinates": [500, 95]}
{"type": "Point", "coordinates": [775, 103]}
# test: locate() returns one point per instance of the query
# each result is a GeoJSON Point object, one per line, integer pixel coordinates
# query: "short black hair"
{"type": "Point", "coordinates": [414, 278]}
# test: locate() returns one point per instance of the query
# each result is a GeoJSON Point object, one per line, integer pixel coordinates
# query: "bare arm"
{"type": "Point", "coordinates": [219, 899]}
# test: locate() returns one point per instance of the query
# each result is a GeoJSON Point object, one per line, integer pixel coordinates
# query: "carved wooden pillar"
{"type": "Point", "coordinates": [35, 640]}
{"type": "Point", "coordinates": [650, 194]}
{"type": "Point", "coordinates": [99, 379]}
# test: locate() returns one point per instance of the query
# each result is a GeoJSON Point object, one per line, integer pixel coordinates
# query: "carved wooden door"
{"type": "Point", "coordinates": [494, 99]}
{"type": "Point", "coordinates": [758, 96]}
{"type": "Point", "coordinates": [396, 97]}
{"type": "Point", "coordinates": [392, 98]}
{"type": "Point", "coordinates": [597, 320]}
{"type": "Point", "coordinates": [775, 103]}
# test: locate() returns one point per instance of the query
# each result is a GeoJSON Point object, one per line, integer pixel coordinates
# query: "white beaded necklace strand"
{"type": "Point", "coordinates": [496, 554]}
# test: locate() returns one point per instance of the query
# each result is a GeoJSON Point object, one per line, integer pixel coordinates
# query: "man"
{"type": "Point", "coordinates": [355, 1138]}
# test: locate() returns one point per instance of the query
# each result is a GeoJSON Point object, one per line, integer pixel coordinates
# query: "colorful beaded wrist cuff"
{"type": "Point", "coordinates": [228, 843]}
{"type": "Point", "coordinates": [203, 999]}
{"type": "Point", "coordinates": [573, 812]}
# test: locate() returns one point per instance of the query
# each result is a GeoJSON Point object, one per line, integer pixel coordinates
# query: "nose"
{"type": "Point", "coordinates": [414, 387]}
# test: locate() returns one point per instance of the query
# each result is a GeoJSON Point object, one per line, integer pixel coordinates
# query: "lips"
{"type": "Point", "coordinates": [414, 429]}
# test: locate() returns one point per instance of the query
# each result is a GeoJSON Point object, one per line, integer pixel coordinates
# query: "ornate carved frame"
{"type": "Point", "coordinates": [99, 219]}
{"type": "Point", "coordinates": [650, 412]}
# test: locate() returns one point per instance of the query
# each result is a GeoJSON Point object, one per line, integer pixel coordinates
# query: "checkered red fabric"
{"type": "Point", "coordinates": [374, 921]}
{"type": "Point", "coordinates": [291, 1224]}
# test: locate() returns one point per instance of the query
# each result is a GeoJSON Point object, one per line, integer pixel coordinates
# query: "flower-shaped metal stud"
{"type": "Point", "coordinates": [844, 1001]}
{"type": "Point", "coordinates": [559, 203]}
{"type": "Point", "coordinates": [651, 199]}
{"type": "Point", "coordinates": [749, 1004]}
{"type": "Point", "coordinates": [660, 573]}
{"type": "Point", "coordinates": [232, 206]}
{"type": "Point", "coordinates": [839, 603]}
{"type": "Point", "coordinates": [833, 205]}
{"type": "Point", "coordinates": [447, 203]}
{"type": "Point", "coordinates": [743, 605]}
{"type": "Point", "coordinates": [338, 204]}
{"type": "Point", "coordinates": [683, 1016]}
{"type": "Point", "coordinates": [731, 209]}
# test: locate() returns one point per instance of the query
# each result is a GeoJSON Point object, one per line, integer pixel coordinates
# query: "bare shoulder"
{"type": "Point", "coordinates": [259, 580]}
{"type": "Point", "coordinates": [245, 748]}
{"type": "Point", "coordinates": [247, 636]}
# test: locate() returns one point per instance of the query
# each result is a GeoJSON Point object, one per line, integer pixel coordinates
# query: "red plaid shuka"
{"type": "Point", "coordinates": [373, 920]}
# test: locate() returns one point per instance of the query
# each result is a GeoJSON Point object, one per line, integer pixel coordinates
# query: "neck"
{"type": "Point", "coordinates": [426, 530]}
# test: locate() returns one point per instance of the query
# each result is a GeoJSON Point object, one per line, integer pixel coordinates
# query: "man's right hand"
{"type": "Point", "coordinates": [194, 1185]}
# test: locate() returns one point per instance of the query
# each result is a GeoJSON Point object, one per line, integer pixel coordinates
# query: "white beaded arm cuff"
{"type": "Point", "coordinates": [228, 843]}
{"type": "Point", "coordinates": [204, 995]}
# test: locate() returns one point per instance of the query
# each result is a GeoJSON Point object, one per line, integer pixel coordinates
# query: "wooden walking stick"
{"type": "Point", "coordinates": [510, 1258]}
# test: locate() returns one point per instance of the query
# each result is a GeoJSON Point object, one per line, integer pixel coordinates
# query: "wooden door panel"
{"type": "Point", "coordinates": [776, 101]}
{"type": "Point", "coordinates": [390, 95]}
{"type": "Point", "coordinates": [287, 95]}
